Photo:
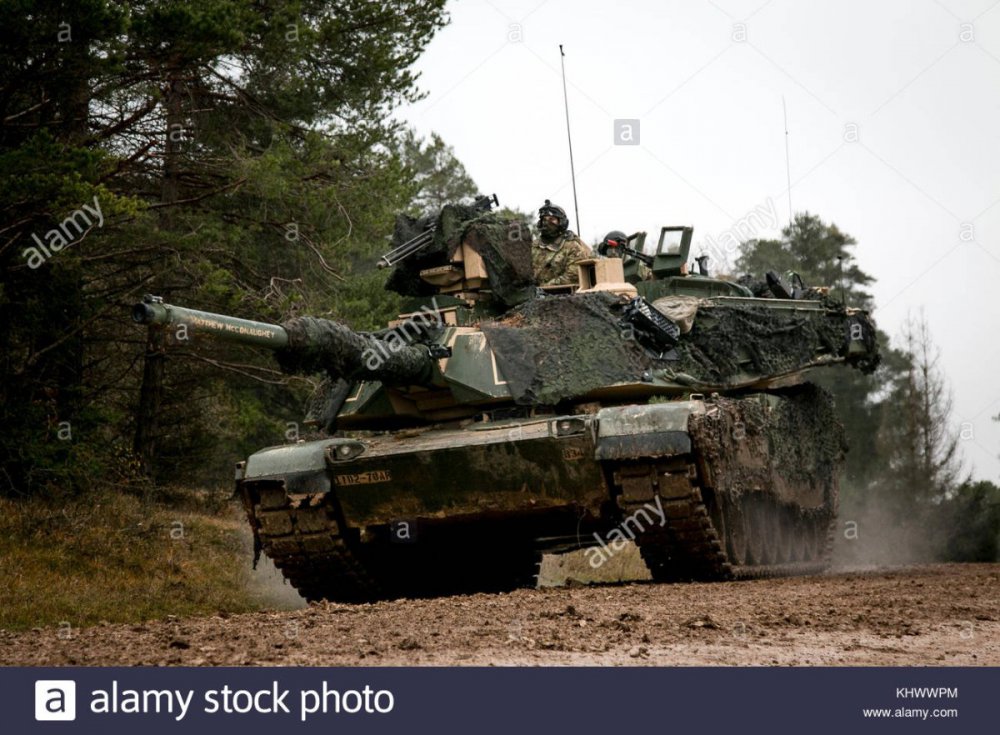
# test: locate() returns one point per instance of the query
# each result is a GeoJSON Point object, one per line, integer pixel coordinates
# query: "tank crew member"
{"type": "Point", "coordinates": [612, 246]}
{"type": "Point", "coordinates": [556, 251]}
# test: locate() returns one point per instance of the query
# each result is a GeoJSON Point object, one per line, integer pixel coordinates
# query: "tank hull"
{"type": "Point", "coordinates": [709, 489]}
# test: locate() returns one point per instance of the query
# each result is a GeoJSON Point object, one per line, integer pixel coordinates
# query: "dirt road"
{"type": "Point", "coordinates": [932, 615]}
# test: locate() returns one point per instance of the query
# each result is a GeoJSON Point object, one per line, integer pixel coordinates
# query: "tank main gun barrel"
{"type": "Point", "coordinates": [152, 310]}
{"type": "Point", "coordinates": [405, 356]}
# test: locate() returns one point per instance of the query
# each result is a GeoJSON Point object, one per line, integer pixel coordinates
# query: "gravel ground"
{"type": "Point", "coordinates": [927, 615]}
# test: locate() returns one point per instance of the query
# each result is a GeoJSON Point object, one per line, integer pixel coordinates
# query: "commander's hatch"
{"type": "Point", "coordinates": [672, 251]}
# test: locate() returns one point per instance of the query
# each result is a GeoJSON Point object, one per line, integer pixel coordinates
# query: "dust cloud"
{"type": "Point", "coordinates": [265, 584]}
{"type": "Point", "coordinates": [870, 534]}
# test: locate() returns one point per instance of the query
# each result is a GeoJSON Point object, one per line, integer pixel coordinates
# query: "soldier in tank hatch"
{"type": "Point", "coordinates": [557, 249]}
{"type": "Point", "coordinates": [613, 246]}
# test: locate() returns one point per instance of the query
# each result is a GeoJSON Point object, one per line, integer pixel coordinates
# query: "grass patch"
{"type": "Point", "coordinates": [118, 558]}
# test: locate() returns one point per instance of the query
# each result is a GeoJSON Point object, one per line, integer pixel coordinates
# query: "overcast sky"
{"type": "Point", "coordinates": [893, 114]}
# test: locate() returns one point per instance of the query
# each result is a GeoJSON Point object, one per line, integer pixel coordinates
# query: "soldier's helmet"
{"type": "Point", "coordinates": [612, 244]}
{"type": "Point", "coordinates": [552, 220]}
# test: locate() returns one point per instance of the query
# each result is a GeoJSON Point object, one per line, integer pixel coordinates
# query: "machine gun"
{"type": "Point", "coordinates": [642, 257]}
{"type": "Point", "coordinates": [622, 249]}
{"type": "Point", "coordinates": [482, 203]}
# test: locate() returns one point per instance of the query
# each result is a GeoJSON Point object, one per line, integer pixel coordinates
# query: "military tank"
{"type": "Point", "coordinates": [496, 421]}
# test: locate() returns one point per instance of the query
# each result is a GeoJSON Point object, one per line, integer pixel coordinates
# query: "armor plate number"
{"type": "Point", "coordinates": [363, 478]}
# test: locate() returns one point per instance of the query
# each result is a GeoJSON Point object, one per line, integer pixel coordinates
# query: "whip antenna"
{"type": "Point", "coordinates": [788, 165]}
{"type": "Point", "coordinates": [572, 169]}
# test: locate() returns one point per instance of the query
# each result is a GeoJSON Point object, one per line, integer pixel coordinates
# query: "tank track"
{"type": "Point", "coordinates": [710, 538]}
{"type": "Point", "coordinates": [302, 536]}
{"type": "Point", "coordinates": [306, 538]}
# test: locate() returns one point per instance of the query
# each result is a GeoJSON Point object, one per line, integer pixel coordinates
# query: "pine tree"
{"type": "Point", "coordinates": [245, 157]}
{"type": "Point", "coordinates": [821, 253]}
{"type": "Point", "coordinates": [439, 175]}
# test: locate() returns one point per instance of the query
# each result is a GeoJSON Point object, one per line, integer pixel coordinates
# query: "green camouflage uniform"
{"type": "Point", "coordinates": [555, 263]}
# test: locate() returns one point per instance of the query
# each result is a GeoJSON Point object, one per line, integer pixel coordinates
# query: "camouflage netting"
{"type": "Point", "coordinates": [773, 341]}
{"type": "Point", "coordinates": [320, 345]}
{"type": "Point", "coordinates": [557, 348]}
{"type": "Point", "coordinates": [325, 403]}
{"type": "Point", "coordinates": [503, 243]}
{"type": "Point", "coordinates": [505, 247]}
{"type": "Point", "coordinates": [807, 413]}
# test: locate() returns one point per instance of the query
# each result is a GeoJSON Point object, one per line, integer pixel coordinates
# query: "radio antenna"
{"type": "Point", "coordinates": [569, 138]}
{"type": "Point", "coordinates": [788, 165]}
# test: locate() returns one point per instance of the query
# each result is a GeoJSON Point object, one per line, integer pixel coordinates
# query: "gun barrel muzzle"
{"type": "Point", "coordinates": [143, 313]}
{"type": "Point", "coordinates": [226, 327]}
{"type": "Point", "coordinates": [406, 249]}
